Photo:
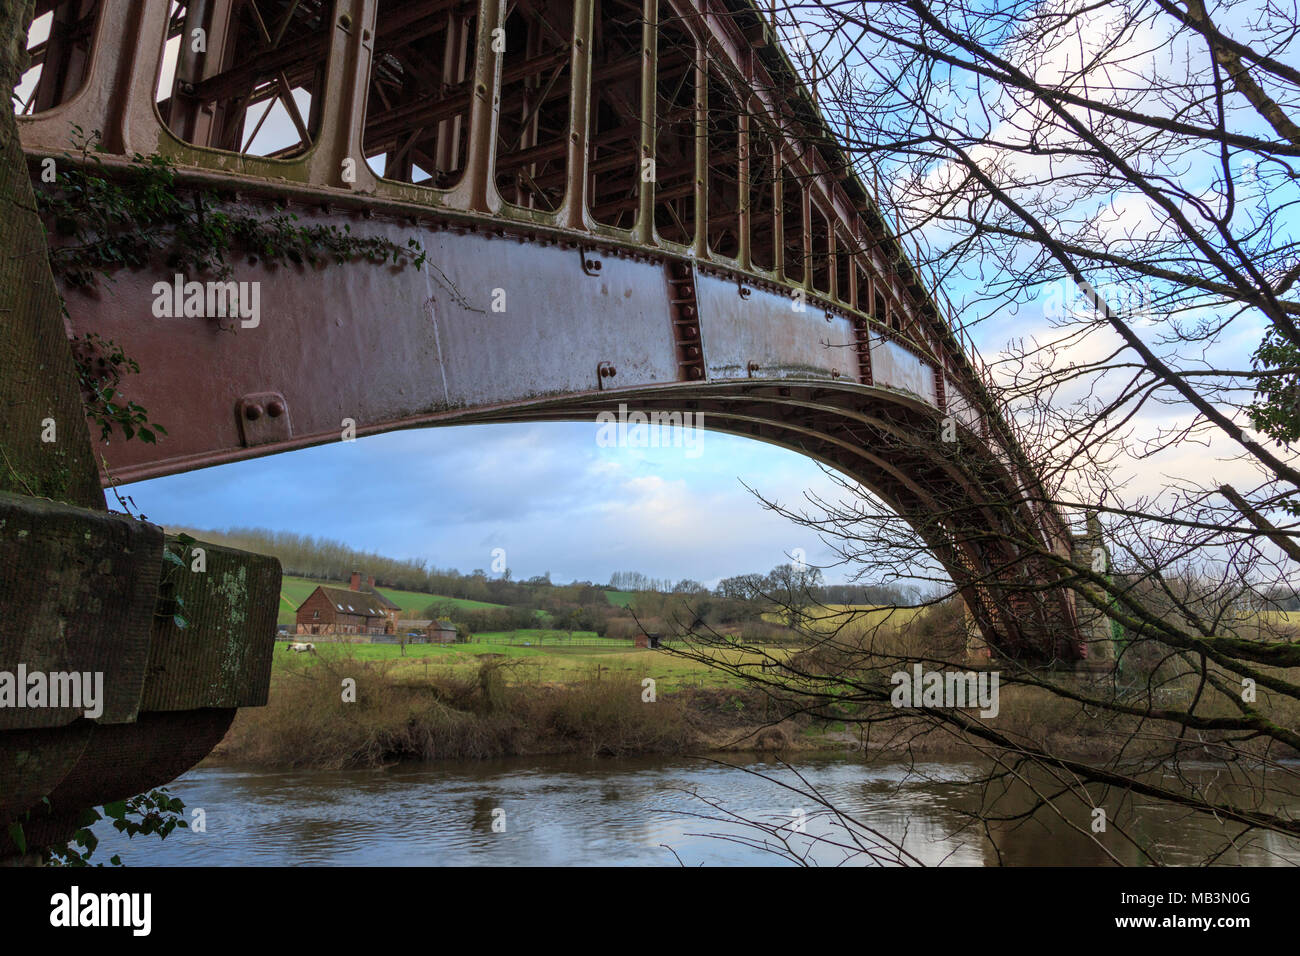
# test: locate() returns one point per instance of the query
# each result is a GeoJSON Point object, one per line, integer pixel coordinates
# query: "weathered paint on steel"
{"type": "Point", "coordinates": [893, 366]}
{"type": "Point", "coordinates": [784, 337]}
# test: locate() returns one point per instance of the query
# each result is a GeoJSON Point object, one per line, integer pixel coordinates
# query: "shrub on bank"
{"type": "Point", "coordinates": [308, 723]}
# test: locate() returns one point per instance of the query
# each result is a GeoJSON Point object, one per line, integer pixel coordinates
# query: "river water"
{"type": "Point", "coordinates": [642, 811]}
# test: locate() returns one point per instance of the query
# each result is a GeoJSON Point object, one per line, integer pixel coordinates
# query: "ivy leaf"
{"type": "Point", "coordinates": [16, 834]}
{"type": "Point", "coordinates": [88, 817]}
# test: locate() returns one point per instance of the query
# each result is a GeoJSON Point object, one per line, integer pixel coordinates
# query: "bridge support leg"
{"type": "Point", "coordinates": [120, 666]}
{"type": "Point", "coordinates": [159, 640]}
{"type": "Point", "coordinates": [1095, 626]}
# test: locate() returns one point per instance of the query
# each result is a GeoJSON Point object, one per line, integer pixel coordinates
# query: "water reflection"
{"type": "Point", "coordinates": [647, 811]}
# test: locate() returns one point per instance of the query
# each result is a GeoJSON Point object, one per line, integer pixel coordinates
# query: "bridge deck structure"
{"type": "Point", "coordinates": [619, 202]}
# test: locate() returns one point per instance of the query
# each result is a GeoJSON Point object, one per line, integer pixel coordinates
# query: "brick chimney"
{"type": "Point", "coordinates": [372, 582]}
{"type": "Point", "coordinates": [356, 581]}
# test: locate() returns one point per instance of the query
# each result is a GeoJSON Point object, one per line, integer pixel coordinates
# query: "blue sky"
{"type": "Point", "coordinates": [548, 494]}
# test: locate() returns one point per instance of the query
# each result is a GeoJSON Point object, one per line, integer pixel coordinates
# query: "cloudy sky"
{"type": "Point", "coordinates": [548, 494]}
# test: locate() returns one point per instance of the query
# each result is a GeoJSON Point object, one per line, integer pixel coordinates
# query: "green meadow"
{"type": "Point", "coordinates": [549, 658]}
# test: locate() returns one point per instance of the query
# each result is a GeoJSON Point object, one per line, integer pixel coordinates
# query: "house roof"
{"type": "Point", "coordinates": [385, 602]}
{"type": "Point", "coordinates": [353, 602]}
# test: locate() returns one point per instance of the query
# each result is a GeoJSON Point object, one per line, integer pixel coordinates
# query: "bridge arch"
{"type": "Point", "coordinates": [831, 345]}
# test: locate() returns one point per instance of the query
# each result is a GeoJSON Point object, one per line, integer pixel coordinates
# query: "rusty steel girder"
{"type": "Point", "coordinates": [619, 201]}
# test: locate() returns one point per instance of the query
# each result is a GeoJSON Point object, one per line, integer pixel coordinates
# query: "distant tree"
{"type": "Point", "coordinates": [589, 595]}
{"type": "Point", "coordinates": [439, 610]}
{"type": "Point", "coordinates": [575, 619]}
{"type": "Point", "coordinates": [791, 587]}
{"type": "Point", "coordinates": [742, 586]}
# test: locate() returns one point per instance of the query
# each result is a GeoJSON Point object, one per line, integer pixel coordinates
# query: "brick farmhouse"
{"type": "Point", "coordinates": [355, 610]}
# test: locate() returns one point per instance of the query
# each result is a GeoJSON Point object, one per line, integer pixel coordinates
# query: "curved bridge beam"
{"type": "Point", "coordinates": [616, 208]}
{"type": "Point", "coordinates": [361, 349]}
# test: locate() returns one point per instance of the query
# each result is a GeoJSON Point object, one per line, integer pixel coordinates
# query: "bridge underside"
{"type": "Point", "coordinates": [627, 202]}
{"type": "Point", "coordinates": [621, 201]}
{"type": "Point", "coordinates": [503, 325]}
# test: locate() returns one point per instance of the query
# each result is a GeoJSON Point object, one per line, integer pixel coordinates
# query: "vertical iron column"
{"type": "Point", "coordinates": [701, 244]}
{"type": "Point", "coordinates": [645, 217]}
{"type": "Point", "coordinates": [579, 117]}
{"type": "Point", "coordinates": [743, 196]}
{"type": "Point", "coordinates": [483, 112]}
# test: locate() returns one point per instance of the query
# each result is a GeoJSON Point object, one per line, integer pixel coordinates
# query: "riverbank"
{"type": "Point", "coordinates": [345, 712]}
{"type": "Point", "coordinates": [357, 707]}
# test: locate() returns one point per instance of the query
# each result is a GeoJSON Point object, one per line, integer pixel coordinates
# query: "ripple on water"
{"type": "Point", "coordinates": [575, 811]}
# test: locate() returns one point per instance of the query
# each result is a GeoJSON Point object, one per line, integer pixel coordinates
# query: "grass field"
{"type": "Point", "coordinates": [1281, 618]}
{"type": "Point", "coordinates": [550, 660]}
{"type": "Point", "coordinates": [293, 591]}
{"type": "Point", "coordinates": [620, 598]}
{"type": "Point", "coordinates": [855, 617]}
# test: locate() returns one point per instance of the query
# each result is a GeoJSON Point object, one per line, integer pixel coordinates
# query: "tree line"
{"type": "Point", "coordinates": [324, 559]}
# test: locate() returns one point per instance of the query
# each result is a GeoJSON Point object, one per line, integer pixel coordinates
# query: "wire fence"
{"type": "Point", "coordinates": [558, 640]}
{"type": "Point", "coordinates": [620, 643]}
